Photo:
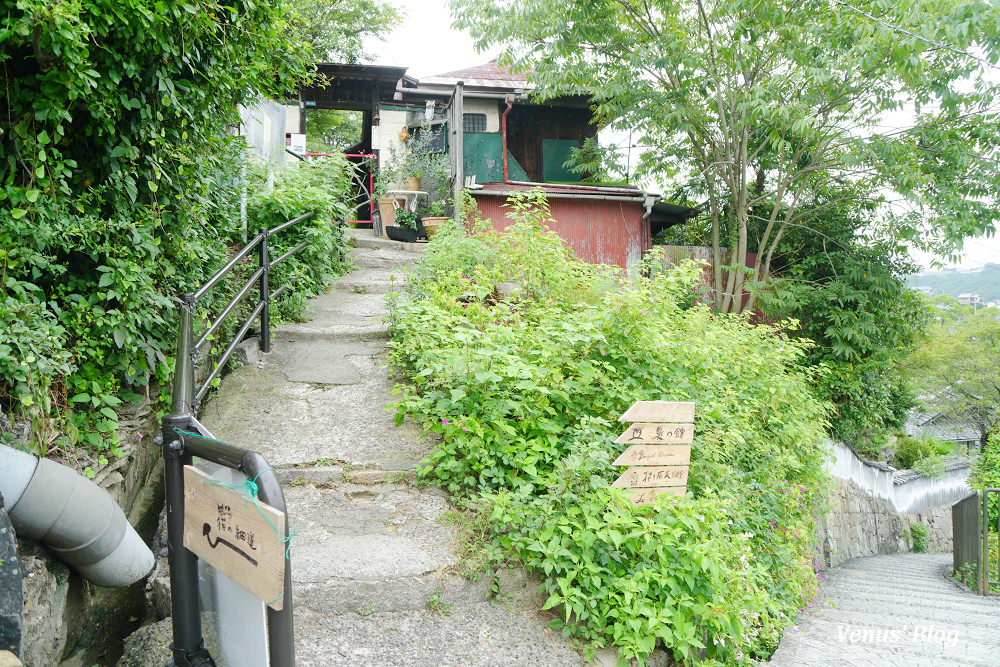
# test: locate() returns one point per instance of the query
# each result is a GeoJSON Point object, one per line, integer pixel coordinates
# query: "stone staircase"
{"type": "Point", "coordinates": [893, 610]}
{"type": "Point", "coordinates": [376, 577]}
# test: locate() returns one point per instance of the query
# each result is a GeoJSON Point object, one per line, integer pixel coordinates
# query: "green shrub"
{"type": "Point", "coordinates": [917, 533]}
{"type": "Point", "coordinates": [522, 358]}
{"type": "Point", "coordinates": [119, 190]}
{"type": "Point", "coordinates": [910, 451]}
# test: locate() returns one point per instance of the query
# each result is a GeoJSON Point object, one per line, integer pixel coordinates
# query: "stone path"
{"type": "Point", "coordinates": [894, 610]}
{"type": "Point", "coordinates": [374, 569]}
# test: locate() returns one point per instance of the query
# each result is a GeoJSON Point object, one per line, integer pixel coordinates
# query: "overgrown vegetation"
{"type": "Point", "coordinates": [521, 358]}
{"type": "Point", "coordinates": [121, 189]}
{"type": "Point", "coordinates": [922, 454]}
{"type": "Point", "coordinates": [917, 534]}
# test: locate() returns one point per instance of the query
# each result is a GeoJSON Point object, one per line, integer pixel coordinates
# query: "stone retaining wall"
{"type": "Point", "coordinates": [67, 621]}
{"type": "Point", "coordinates": [860, 524]}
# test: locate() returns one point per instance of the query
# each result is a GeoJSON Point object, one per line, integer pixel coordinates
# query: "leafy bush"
{"type": "Point", "coordinates": [521, 358]}
{"type": "Point", "coordinates": [910, 451]}
{"type": "Point", "coordinates": [121, 189]}
{"type": "Point", "coordinates": [917, 533]}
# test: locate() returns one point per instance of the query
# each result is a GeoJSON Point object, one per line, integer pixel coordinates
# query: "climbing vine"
{"type": "Point", "coordinates": [119, 188]}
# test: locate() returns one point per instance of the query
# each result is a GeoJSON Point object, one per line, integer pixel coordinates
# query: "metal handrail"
{"type": "Point", "coordinates": [179, 448]}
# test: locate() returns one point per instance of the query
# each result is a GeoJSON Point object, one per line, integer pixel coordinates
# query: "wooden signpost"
{"type": "Point", "coordinates": [234, 537]}
{"type": "Point", "coordinates": [659, 452]}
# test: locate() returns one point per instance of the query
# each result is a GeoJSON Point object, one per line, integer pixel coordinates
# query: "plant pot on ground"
{"type": "Point", "coordinates": [406, 227]}
{"type": "Point", "coordinates": [432, 223]}
{"type": "Point", "coordinates": [402, 234]}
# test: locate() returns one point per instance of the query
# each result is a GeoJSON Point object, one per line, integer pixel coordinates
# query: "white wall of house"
{"type": "Point", "coordinates": [489, 107]}
{"type": "Point", "coordinates": [292, 117]}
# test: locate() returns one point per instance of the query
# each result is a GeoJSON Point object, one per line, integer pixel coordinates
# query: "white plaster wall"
{"type": "Point", "coordinates": [385, 135]}
{"type": "Point", "coordinates": [489, 107]}
{"type": "Point", "coordinates": [291, 118]}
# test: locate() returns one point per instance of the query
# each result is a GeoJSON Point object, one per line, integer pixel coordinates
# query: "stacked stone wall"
{"type": "Point", "coordinates": [859, 524]}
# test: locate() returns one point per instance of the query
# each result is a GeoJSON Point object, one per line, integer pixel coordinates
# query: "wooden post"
{"type": "Point", "coordinates": [458, 143]}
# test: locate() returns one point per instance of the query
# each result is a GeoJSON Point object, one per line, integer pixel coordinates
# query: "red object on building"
{"type": "Point", "coordinates": [602, 225]}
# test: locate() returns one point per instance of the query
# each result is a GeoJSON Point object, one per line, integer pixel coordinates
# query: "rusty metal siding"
{"type": "Point", "coordinates": [600, 232]}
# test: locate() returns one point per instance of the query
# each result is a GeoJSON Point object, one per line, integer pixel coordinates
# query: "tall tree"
{"type": "Point", "coordinates": [957, 368]}
{"type": "Point", "coordinates": [340, 30]}
{"type": "Point", "coordinates": [776, 112]}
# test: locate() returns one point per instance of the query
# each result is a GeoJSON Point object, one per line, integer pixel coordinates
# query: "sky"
{"type": "Point", "coordinates": [426, 44]}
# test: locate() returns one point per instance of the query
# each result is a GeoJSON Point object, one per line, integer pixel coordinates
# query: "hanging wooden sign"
{"type": "Point", "coordinates": [654, 455]}
{"type": "Point", "coordinates": [234, 537]}
{"type": "Point", "coordinates": [645, 433]}
{"type": "Point", "coordinates": [642, 497]}
{"type": "Point", "coordinates": [659, 450]}
{"type": "Point", "coordinates": [644, 477]}
{"type": "Point", "coordinates": [659, 411]}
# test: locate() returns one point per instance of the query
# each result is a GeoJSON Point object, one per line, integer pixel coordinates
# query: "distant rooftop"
{"type": "Point", "coordinates": [487, 75]}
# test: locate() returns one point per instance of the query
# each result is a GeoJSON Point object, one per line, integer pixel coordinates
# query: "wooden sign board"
{"type": "Point", "coordinates": [233, 537]}
{"type": "Point", "coordinates": [659, 411]}
{"type": "Point", "coordinates": [642, 477]}
{"type": "Point", "coordinates": [646, 433]}
{"type": "Point", "coordinates": [654, 455]}
{"type": "Point", "coordinates": [642, 497]}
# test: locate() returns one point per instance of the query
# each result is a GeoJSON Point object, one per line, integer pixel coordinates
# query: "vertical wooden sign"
{"type": "Point", "coordinates": [659, 452]}
{"type": "Point", "coordinates": [234, 536]}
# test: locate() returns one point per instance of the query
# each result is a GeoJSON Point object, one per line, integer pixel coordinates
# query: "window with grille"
{"type": "Point", "coordinates": [473, 122]}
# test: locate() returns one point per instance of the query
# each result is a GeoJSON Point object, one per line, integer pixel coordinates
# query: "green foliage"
{"type": "Point", "coordinates": [917, 534]}
{"type": "Point", "coordinates": [121, 189]}
{"type": "Point", "coordinates": [957, 368]}
{"type": "Point", "coordinates": [521, 358]}
{"type": "Point", "coordinates": [406, 219]}
{"type": "Point", "coordinates": [338, 31]}
{"type": "Point", "coordinates": [332, 130]}
{"type": "Point", "coordinates": [847, 295]}
{"type": "Point", "coordinates": [776, 111]}
{"type": "Point", "coordinates": [911, 451]}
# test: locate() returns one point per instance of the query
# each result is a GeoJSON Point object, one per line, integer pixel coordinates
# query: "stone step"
{"type": "Point", "coordinates": [480, 635]}
{"type": "Point", "coordinates": [375, 547]}
{"type": "Point", "coordinates": [381, 258]}
{"type": "Point", "coordinates": [373, 281]}
{"type": "Point", "coordinates": [326, 474]}
{"type": "Point", "coordinates": [908, 650]}
{"type": "Point", "coordinates": [363, 238]}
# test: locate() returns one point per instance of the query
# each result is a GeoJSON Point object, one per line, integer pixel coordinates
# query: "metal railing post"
{"type": "Point", "coordinates": [188, 649]}
{"type": "Point", "coordinates": [265, 294]}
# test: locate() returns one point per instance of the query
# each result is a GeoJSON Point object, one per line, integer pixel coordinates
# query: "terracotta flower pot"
{"type": "Point", "coordinates": [413, 183]}
{"type": "Point", "coordinates": [432, 223]}
{"type": "Point", "coordinates": [387, 209]}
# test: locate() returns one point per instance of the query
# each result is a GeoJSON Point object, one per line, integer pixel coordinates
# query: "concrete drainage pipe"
{"type": "Point", "coordinates": [74, 517]}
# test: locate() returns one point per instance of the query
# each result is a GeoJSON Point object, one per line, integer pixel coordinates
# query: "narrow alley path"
{"type": "Point", "coordinates": [376, 578]}
{"type": "Point", "coordinates": [900, 610]}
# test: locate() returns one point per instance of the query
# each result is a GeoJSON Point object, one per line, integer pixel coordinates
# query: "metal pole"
{"type": "Point", "coordinates": [982, 572]}
{"type": "Point", "coordinates": [458, 107]}
{"type": "Point", "coordinates": [188, 647]}
{"type": "Point", "coordinates": [265, 295]}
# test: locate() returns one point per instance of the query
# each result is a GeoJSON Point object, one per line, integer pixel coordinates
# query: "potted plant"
{"type": "Point", "coordinates": [434, 217]}
{"type": "Point", "coordinates": [405, 228]}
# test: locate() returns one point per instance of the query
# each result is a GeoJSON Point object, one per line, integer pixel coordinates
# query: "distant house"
{"type": "Point", "coordinates": [929, 291]}
{"type": "Point", "coordinates": [499, 142]}
{"type": "Point", "coordinates": [970, 299]}
{"type": "Point", "coordinates": [964, 435]}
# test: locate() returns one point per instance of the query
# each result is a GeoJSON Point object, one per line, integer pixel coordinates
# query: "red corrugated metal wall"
{"type": "Point", "coordinates": [600, 232]}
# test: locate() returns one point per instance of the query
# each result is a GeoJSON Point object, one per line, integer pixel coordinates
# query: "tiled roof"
{"type": "Point", "coordinates": [487, 75]}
